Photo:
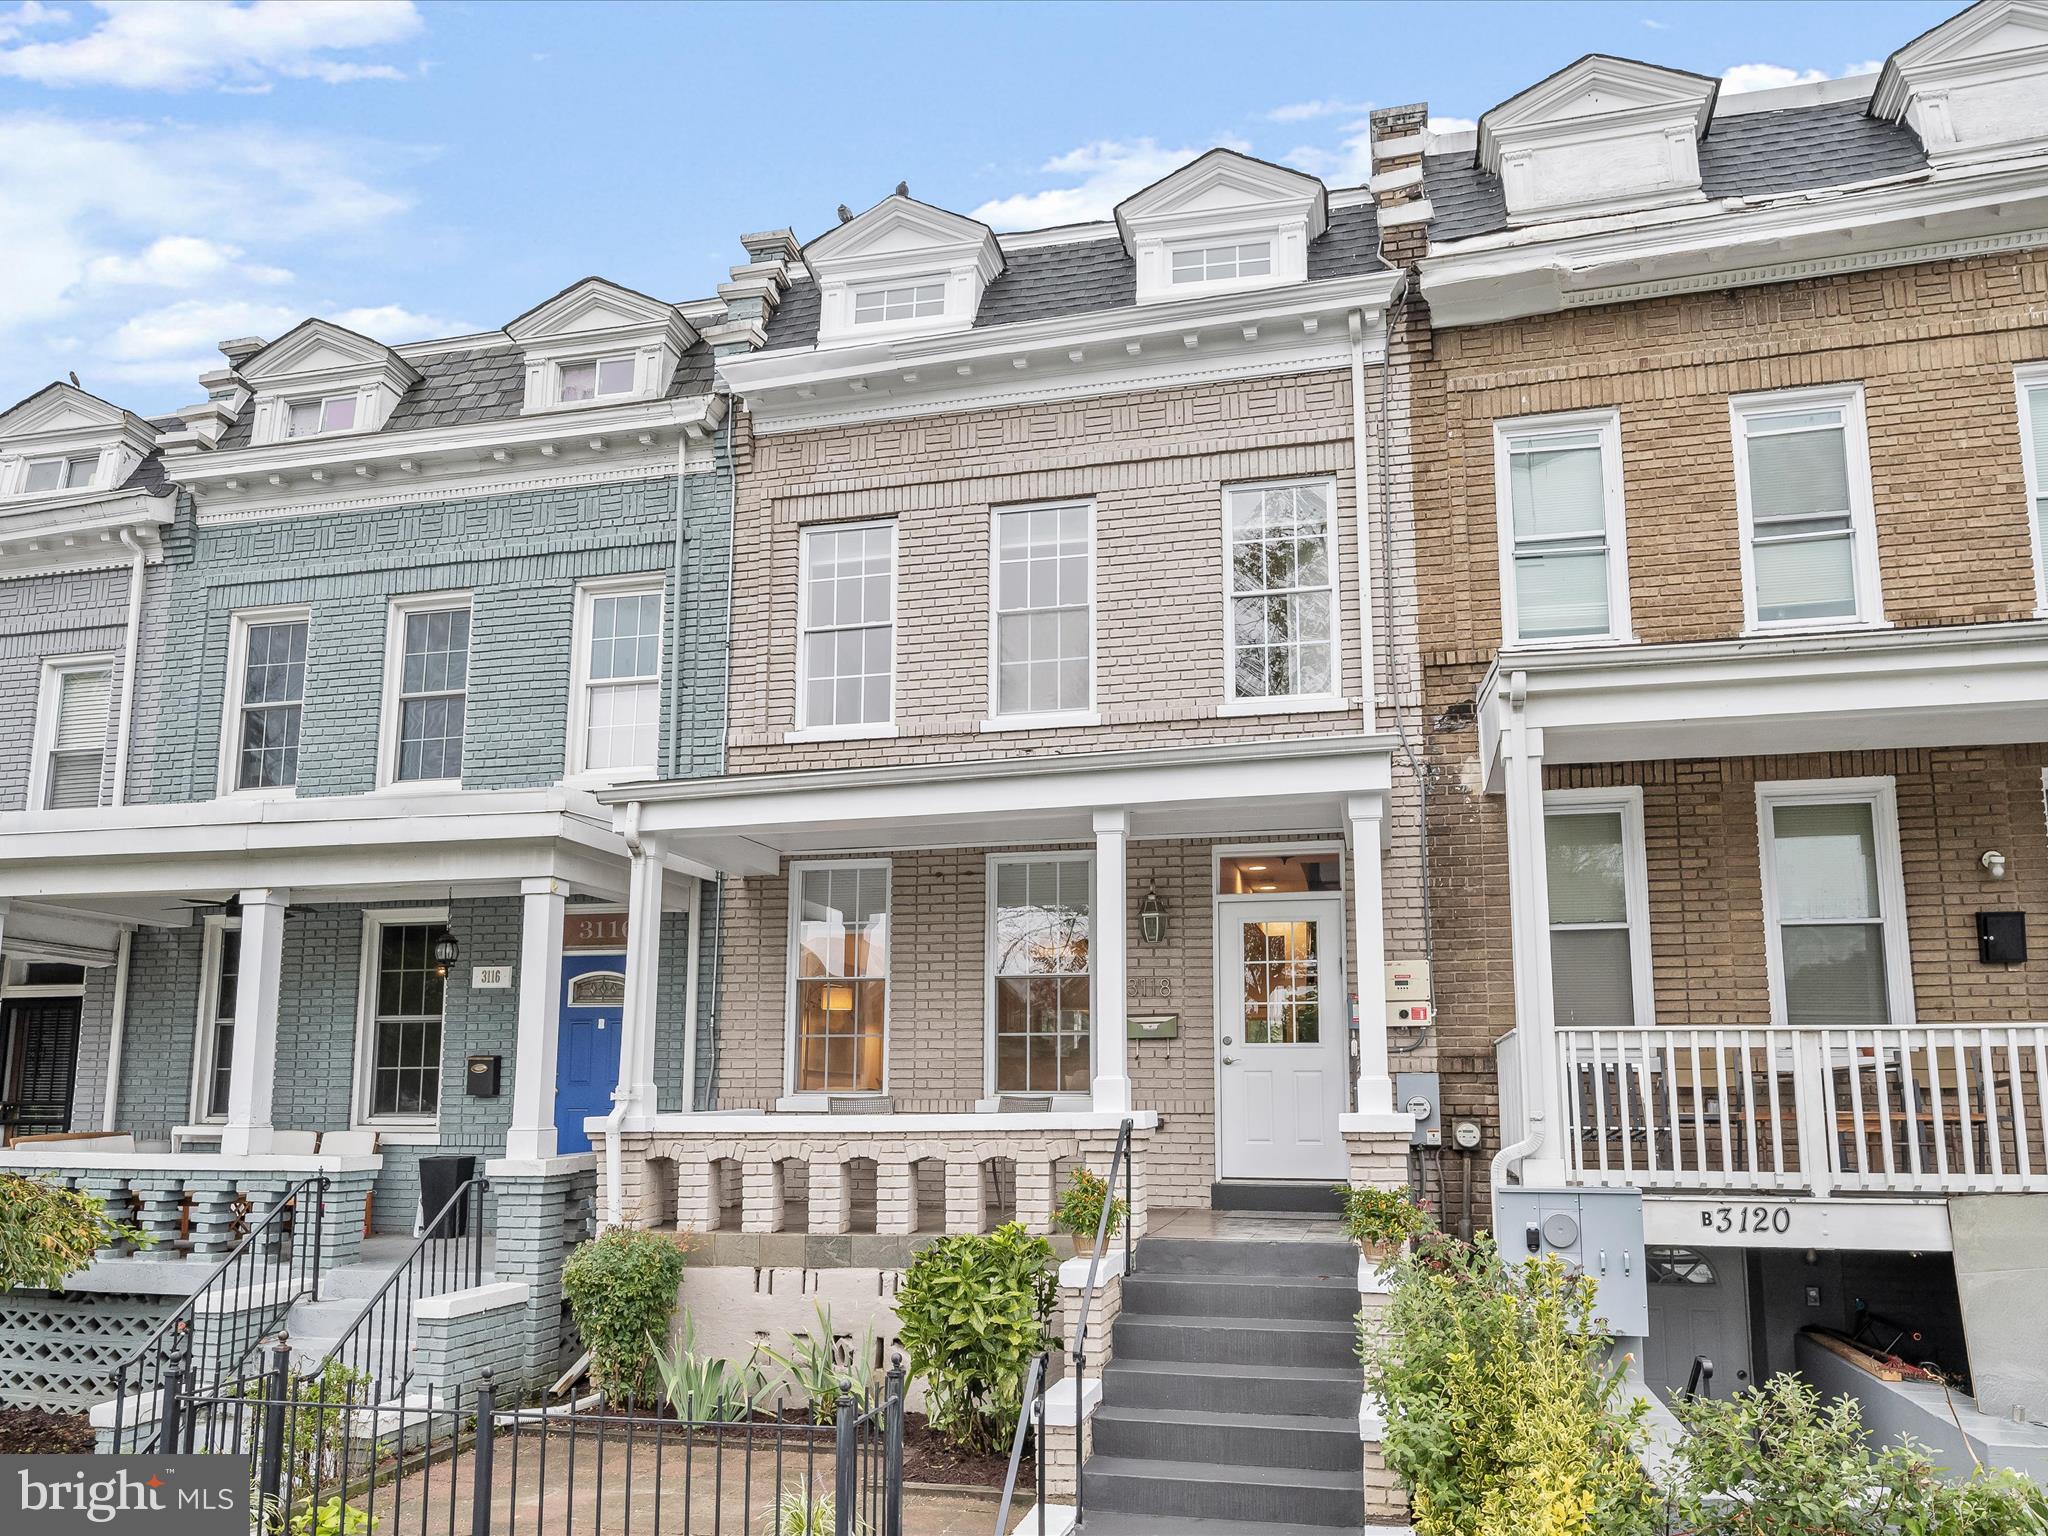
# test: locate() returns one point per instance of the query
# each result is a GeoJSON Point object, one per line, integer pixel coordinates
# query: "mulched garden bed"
{"type": "Point", "coordinates": [34, 1431]}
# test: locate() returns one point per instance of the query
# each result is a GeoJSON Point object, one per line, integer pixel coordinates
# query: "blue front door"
{"type": "Point", "coordinates": [587, 1063]}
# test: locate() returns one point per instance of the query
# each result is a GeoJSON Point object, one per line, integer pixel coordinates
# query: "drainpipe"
{"type": "Point", "coordinates": [675, 612]}
{"type": "Point", "coordinates": [614, 1174]}
{"type": "Point", "coordinates": [112, 1104]}
{"type": "Point", "coordinates": [137, 558]}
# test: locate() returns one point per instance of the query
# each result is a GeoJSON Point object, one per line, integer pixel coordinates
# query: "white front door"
{"type": "Point", "coordinates": [1282, 1044]}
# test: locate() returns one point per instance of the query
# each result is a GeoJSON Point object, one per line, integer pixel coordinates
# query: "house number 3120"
{"type": "Point", "coordinates": [1747, 1218]}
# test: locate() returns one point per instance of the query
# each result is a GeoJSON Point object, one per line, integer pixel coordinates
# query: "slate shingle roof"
{"type": "Point", "coordinates": [1749, 154]}
{"type": "Point", "coordinates": [1086, 277]}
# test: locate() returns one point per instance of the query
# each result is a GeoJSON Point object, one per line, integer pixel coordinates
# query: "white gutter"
{"type": "Point", "coordinates": [138, 559]}
{"type": "Point", "coordinates": [112, 1103]}
{"type": "Point", "coordinates": [691, 971]}
{"type": "Point", "coordinates": [1367, 687]}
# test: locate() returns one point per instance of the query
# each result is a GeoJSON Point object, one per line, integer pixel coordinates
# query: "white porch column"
{"type": "Point", "coordinates": [542, 906]}
{"type": "Point", "coordinates": [1529, 920]}
{"type": "Point", "coordinates": [253, 1073]}
{"type": "Point", "coordinates": [643, 986]}
{"type": "Point", "coordinates": [1367, 816]}
{"type": "Point", "coordinates": [1111, 1089]}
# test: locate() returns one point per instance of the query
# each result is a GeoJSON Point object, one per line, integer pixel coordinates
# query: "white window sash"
{"type": "Point", "coordinates": [1233, 700]}
{"type": "Point", "coordinates": [1627, 802]}
{"type": "Point", "coordinates": [1861, 534]}
{"type": "Point", "coordinates": [997, 613]}
{"type": "Point", "coordinates": [2031, 388]}
{"type": "Point", "coordinates": [232, 707]}
{"type": "Point", "coordinates": [206, 1036]}
{"type": "Point", "coordinates": [805, 628]}
{"type": "Point", "coordinates": [362, 1117]}
{"type": "Point", "coordinates": [584, 688]}
{"type": "Point", "coordinates": [47, 743]}
{"type": "Point", "coordinates": [991, 1072]}
{"type": "Point", "coordinates": [391, 735]}
{"type": "Point", "coordinates": [1533, 431]}
{"type": "Point", "coordinates": [793, 997]}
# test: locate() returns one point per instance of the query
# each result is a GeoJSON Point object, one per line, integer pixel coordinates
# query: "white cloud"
{"type": "Point", "coordinates": [175, 343]}
{"type": "Point", "coordinates": [1655, 25]}
{"type": "Point", "coordinates": [1764, 77]}
{"type": "Point", "coordinates": [1306, 111]}
{"type": "Point", "coordinates": [180, 261]}
{"type": "Point", "coordinates": [1094, 179]}
{"type": "Point", "coordinates": [29, 14]}
{"type": "Point", "coordinates": [144, 45]}
{"type": "Point", "coordinates": [1442, 125]}
{"type": "Point", "coordinates": [1348, 164]}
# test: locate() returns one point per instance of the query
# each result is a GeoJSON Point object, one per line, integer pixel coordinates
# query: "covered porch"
{"type": "Point", "coordinates": [927, 1015]}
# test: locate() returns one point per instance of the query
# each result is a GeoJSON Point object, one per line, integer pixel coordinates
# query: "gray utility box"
{"type": "Point", "coordinates": [1598, 1232]}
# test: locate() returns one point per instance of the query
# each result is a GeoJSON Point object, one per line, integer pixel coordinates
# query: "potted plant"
{"type": "Point", "coordinates": [1080, 1211]}
{"type": "Point", "coordinates": [1381, 1221]}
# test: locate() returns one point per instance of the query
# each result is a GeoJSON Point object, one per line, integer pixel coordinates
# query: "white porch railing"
{"type": "Point", "coordinates": [1935, 1110]}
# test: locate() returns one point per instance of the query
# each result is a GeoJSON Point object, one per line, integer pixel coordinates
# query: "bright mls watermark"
{"type": "Point", "coordinates": [115, 1495]}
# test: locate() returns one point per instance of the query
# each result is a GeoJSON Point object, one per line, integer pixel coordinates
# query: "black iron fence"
{"type": "Point", "coordinates": [328, 1460]}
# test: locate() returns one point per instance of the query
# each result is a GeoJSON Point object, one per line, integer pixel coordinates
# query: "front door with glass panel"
{"type": "Point", "coordinates": [1282, 1042]}
{"type": "Point", "coordinates": [587, 1059]}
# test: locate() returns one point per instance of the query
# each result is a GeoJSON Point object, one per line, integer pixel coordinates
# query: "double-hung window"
{"type": "Point", "coordinates": [1038, 953]}
{"type": "Point", "coordinates": [846, 656]}
{"type": "Point", "coordinates": [430, 682]}
{"type": "Point", "coordinates": [405, 997]}
{"type": "Point", "coordinates": [615, 722]}
{"type": "Point", "coordinates": [899, 301]}
{"type": "Point", "coordinates": [1809, 539]}
{"type": "Point", "coordinates": [1834, 895]}
{"type": "Point", "coordinates": [267, 683]}
{"type": "Point", "coordinates": [1044, 610]}
{"type": "Point", "coordinates": [71, 733]}
{"type": "Point", "coordinates": [596, 378]}
{"type": "Point", "coordinates": [62, 473]}
{"type": "Point", "coordinates": [1599, 922]}
{"type": "Point", "coordinates": [1564, 571]}
{"type": "Point", "coordinates": [841, 983]}
{"type": "Point", "coordinates": [1280, 612]}
{"type": "Point", "coordinates": [221, 982]}
{"type": "Point", "coordinates": [310, 418]}
{"type": "Point", "coordinates": [2033, 387]}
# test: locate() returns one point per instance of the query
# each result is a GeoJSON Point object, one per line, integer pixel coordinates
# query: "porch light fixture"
{"type": "Point", "coordinates": [1994, 864]}
{"type": "Point", "coordinates": [446, 951]}
{"type": "Point", "coordinates": [1152, 919]}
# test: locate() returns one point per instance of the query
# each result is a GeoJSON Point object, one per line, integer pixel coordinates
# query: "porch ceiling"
{"type": "Point", "coordinates": [1976, 685]}
{"type": "Point", "coordinates": [747, 824]}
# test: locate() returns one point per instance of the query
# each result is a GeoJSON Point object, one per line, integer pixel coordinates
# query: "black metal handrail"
{"type": "Point", "coordinates": [218, 1352]}
{"type": "Point", "coordinates": [1119, 1159]}
{"type": "Point", "coordinates": [377, 1343]}
{"type": "Point", "coordinates": [1702, 1376]}
{"type": "Point", "coordinates": [1031, 1404]}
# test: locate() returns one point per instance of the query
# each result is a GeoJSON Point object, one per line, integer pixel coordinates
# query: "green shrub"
{"type": "Point", "coordinates": [973, 1310]}
{"type": "Point", "coordinates": [48, 1232]}
{"type": "Point", "coordinates": [706, 1388]}
{"type": "Point", "coordinates": [1081, 1203]}
{"type": "Point", "coordinates": [1381, 1218]}
{"type": "Point", "coordinates": [622, 1291]}
{"type": "Point", "coordinates": [818, 1366]}
{"type": "Point", "coordinates": [1781, 1459]}
{"type": "Point", "coordinates": [1502, 1416]}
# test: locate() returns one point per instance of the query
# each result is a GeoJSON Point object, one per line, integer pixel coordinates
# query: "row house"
{"type": "Point", "coordinates": [1730, 447]}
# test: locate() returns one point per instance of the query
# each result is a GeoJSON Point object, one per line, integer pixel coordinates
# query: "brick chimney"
{"type": "Point", "coordinates": [1397, 188]}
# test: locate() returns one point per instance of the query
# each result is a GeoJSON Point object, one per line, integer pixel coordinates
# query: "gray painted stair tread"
{"type": "Point", "coordinates": [1277, 1325]}
{"type": "Point", "coordinates": [1112, 1522]}
{"type": "Point", "coordinates": [1301, 1373]}
{"type": "Point", "coordinates": [1207, 1472]}
{"type": "Point", "coordinates": [1207, 1419]}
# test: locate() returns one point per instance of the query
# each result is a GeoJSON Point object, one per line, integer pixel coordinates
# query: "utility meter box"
{"type": "Point", "coordinates": [1421, 1094]}
{"type": "Point", "coordinates": [1597, 1232]}
{"type": "Point", "coordinates": [1407, 981]}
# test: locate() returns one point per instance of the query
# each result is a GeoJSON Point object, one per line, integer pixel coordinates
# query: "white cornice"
{"type": "Point", "coordinates": [1737, 242]}
{"type": "Point", "coordinates": [1269, 331]}
{"type": "Point", "coordinates": [82, 533]}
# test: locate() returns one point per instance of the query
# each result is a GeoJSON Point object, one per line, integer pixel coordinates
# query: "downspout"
{"type": "Point", "coordinates": [709, 1031]}
{"type": "Point", "coordinates": [112, 1104]}
{"type": "Point", "coordinates": [137, 559]}
{"type": "Point", "coordinates": [614, 1171]}
{"type": "Point", "coordinates": [675, 612]}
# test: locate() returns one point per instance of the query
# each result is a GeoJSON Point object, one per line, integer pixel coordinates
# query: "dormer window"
{"type": "Point", "coordinates": [60, 473]}
{"type": "Point", "coordinates": [330, 413]}
{"type": "Point", "coordinates": [1223, 263]}
{"type": "Point", "coordinates": [908, 301]}
{"type": "Point", "coordinates": [596, 379]}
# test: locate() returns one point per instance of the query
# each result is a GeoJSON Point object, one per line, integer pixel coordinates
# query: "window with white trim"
{"type": "Point", "coordinates": [1039, 932]}
{"type": "Point", "coordinates": [71, 733]}
{"type": "Point", "coordinates": [1803, 488]}
{"type": "Point", "coordinates": [617, 720]}
{"type": "Point", "coordinates": [1281, 613]}
{"type": "Point", "coordinates": [269, 690]}
{"type": "Point", "coordinates": [2033, 386]}
{"type": "Point", "coordinates": [432, 677]}
{"type": "Point", "coordinates": [68, 472]}
{"type": "Point", "coordinates": [595, 378]}
{"type": "Point", "coordinates": [841, 981]}
{"type": "Point", "coordinates": [329, 413]}
{"type": "Point", "coordinates": [1564, 573]}
{"type": "Point", "coordinates": [405, 1016]}
{"type": "Point", "coordinates": [1599, 926]}
{"type": "Point", "coordinates": [1044, 610]}
{"type": "Point", "coordinates": [846, 651]}
{"type": "Point", "coordinates": [1222, 263]}
{"type": "Point", "coordinates": [219, 988]}
{"type": "Point", "coordinates": [1834, 904]}
{"type": "Point", "coordinates": [899, 301]}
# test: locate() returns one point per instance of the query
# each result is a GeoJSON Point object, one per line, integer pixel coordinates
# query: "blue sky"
{"type": "Point", "coordinates": [175, 174]}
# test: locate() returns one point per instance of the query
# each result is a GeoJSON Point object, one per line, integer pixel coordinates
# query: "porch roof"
{"type": "Point", "coordinates": [746, 823]}
{"type": "Point", "coordinates": [1964, 685]}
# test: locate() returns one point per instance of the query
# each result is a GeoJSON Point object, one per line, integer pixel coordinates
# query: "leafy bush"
{"type": "Point", "coordinates": [1502, 1416]}
{"type": "Point", "coordinates": [333, 1518]}
{"type": "Point", "coordinates": [622, 1291]}
{"type": "Point", "coordinates": [1081, 1205]}
{"type": "Point", "coordinates": [973, 1310]}
{"type": "Point", "coordinates": [801, 1510]}
{"type": "Point", "coordinates": [1381, 1218]}
{"type": "Point", "coordinates": [1780, 1459]}
{"type": "Point", "coordinates": [819, 1367]}
{"type": "Point", "coordinates": [48, 1232]}
{"type": "Point", "coordinates": [705, 1388]}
